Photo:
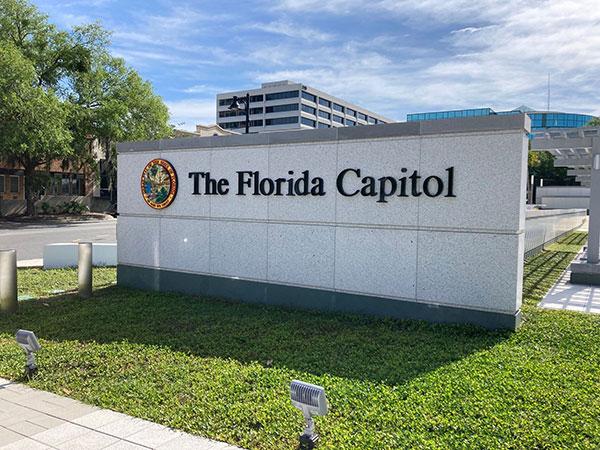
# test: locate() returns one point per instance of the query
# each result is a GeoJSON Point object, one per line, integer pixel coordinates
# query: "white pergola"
{"type": "Point", "coordinates": [578, 149]}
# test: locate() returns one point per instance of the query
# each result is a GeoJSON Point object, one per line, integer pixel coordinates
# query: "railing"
{"type": "Point", "coordinates": [545, 226]}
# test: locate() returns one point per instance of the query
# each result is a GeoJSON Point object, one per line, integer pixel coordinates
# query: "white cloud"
{"type": "Point", "coordinates": [185, 114]}
{"type": "Point", "coordinates": [499, 55]}
{"type": "Point", "coordinates": [291, 30]}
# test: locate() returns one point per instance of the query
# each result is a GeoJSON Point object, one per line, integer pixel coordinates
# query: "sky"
{"type": "Point", "coordinates": [392, 57]}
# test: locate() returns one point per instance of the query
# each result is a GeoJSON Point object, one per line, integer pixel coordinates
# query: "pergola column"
{"type": "Point", "coordinates": [593, 251]}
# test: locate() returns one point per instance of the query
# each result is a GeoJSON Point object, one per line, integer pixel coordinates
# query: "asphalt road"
{"type": "Point", "coordinates": [29, 239]}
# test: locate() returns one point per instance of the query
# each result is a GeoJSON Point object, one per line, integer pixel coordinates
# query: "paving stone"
{"type": "Point", "coordinates": [60, 434]}
{"type": "Point", "coordinates": [25, 444]}
{"type": "Point", "coordinates": [46, 421]}
{"type": "Point", "coordinates": [188, 442]}
{"type": "Point", "coordinates": [8, 437]}
{"type": "Point", "coordinates": [125, 427]}
{"type": "Point", "coordinates": [153, 436]}
{"type": "Point", "coordinates": [90, 441]}
{"type": "Point", "coordinates": [124, 445]}
{"type": "Point", "coordinates": [99, 418]}
{"type": "Point", "coordinates": [25, 428]}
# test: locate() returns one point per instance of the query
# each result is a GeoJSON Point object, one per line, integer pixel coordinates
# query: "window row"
{"type": "Point", "coordinates": [336, 107]}
{"type": "Point", "coordinates": [252, 123]}
{"type": "Point", "coordinates": [231, 113]}
{"type": "Point", "coordinates": [282, 108]}
{"type": "Point", "coordinates": [229, 101]}
{"type": "Point", "coordinates": [61, 183]}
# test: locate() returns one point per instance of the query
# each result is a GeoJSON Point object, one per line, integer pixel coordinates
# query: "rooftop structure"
{"type": "Point", "coordinates": [286, 105]}
{"type": "Point", "coordinates": [540, 120]}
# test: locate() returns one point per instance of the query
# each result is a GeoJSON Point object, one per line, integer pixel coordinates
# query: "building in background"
{"type": "Point", "coordinates": [212, 130]}
{"type": "Point", "coordinates": [540, 120]}
{"type": "Point", "coordinates": [286, 105]}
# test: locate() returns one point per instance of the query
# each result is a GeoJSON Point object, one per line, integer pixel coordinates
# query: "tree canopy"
{"type": "Point", "coordinates": [60, 90]}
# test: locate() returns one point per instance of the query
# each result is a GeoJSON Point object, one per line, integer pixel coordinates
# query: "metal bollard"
{"type": "Point", "coordinates": [8, 281]}
{"type": "Point", "coordinates": [84, 269]}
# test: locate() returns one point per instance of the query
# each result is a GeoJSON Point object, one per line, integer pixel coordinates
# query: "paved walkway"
{"type": "Point", "coordinates": [572, 297]}
{"type": "Point", "coordinates": [32, 419]}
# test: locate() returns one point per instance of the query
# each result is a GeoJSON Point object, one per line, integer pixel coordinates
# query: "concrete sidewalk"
{"type": "Point", "coordinates": [32, 419]}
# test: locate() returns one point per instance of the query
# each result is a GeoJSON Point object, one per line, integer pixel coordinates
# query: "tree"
{"type": "Point", "coordinates": [595, 122]}
{"type": "Point", "coordinates": [32, 120]}
{"type": "Point", "coordinates": [76, 90]}
{"type": "Point", "coordinates": [112, 103]}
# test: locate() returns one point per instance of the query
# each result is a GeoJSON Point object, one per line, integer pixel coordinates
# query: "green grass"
{"type": "Point", "coordinates": [222, 369]}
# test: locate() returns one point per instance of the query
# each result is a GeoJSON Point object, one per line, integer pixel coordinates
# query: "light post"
{"type": "Point", "coordinates": [236, 105]}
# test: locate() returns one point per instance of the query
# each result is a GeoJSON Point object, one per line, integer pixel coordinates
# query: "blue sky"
{"type": "Point", "coordinates": [393, 57]}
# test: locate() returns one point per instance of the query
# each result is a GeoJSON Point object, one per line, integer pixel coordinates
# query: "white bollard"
{"type": "Point", "coordinates": [8, 281]}
{"type": "Point", "coordinates": [84, 269]}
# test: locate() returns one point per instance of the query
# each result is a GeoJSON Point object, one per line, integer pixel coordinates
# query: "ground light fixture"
{"type": "Point", "coordinates": [30, 345]}
{"type": "Point", "coordinates": [311, 400]}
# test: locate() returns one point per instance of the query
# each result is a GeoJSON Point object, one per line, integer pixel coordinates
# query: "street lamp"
{"type": "Point", "coordinates": [236, 105]}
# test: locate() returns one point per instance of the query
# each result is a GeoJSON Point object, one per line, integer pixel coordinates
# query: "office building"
{"type": "Point", "coordinates": [286, 105]}
{"type": "Point", "coordinates": [540, 120]}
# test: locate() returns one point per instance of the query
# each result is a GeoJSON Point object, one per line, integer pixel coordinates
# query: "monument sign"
{"type": "Point", "coordinates": [417, 220]}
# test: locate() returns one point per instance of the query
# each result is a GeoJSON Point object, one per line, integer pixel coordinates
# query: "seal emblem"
{"type": "Point", "coordinates": [159, 183]}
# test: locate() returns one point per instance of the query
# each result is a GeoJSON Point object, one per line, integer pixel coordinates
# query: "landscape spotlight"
{"type": "Point", "coordinates": [30, 345]}
{"type": "Point", "coordinates": [311, 400]}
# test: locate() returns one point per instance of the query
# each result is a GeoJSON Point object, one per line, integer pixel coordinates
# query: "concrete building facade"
{"type": "Point", "coordinates": [286, 105]}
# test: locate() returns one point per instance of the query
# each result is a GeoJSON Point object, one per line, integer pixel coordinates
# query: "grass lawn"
{"type": "Point", "coordinates": [222, 369]}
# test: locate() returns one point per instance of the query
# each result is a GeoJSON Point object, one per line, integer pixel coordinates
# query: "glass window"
{"type": "Point", "coordinates": [309, 109]}
{"type": "Point", "coordinates": [350, 112]}
{"type": "Point", "coordinates": [252, 123]}
{"type": "Point", "coordinates": [281, 120]}
{"type": "Point", "coordinates": [324, 125]}
{"type": "Point", "coordinates": [310, 97]}
{"type": "Point", "coordinates": [14, 184]}
{"type": "Point", "coordinates": [2, 181]}
{"type": "Point", "coordinates": [338, 119]}
{"type": "Point", "coordinates": [225, 101]}
{"type": "Point", "coordinates": [282, 95]}
{"type": "Point", "coordinates": [324, 102]}
{"type": "Point", "coordinates": [370, 119]}
{"type": "Point", "coordinates": [256, 98]}
{"type": "Point", "coordinates": [337, 107]}
{"type": "Point", "coordinates": [310, 123]}
{"type": "Point", "coordinates": [361, 116]}
{"type": "Point", "coordinates": [324, 114]}
{"type": "Point", "coordinates": [350, 122]}
{"type": "Point", "coordinates": [229, 113]}
{"type": "Point", "coordinates": [282, 108]}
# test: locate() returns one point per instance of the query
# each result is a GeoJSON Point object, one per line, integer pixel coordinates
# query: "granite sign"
{"type": "Point", "coordinates": [418, 220]}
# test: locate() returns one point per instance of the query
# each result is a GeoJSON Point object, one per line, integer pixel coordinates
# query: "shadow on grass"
{"type": "Point", "coordinates": [357, 347]}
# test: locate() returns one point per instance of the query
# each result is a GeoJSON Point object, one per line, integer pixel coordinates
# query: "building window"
{"type": "Point", "coordinates": [350, 122]}
{"type": "Point", "coordinates": [338, 119]}
{"type": "Point", "coordinates": [14, 184]}
{"type": "Point", "coordinates": [2, 181]}
{"type": "Point", "coordinates": [310, 123]}
{"type": "Point", "coordinates": [281, 121]}
{"type": "Point", "coordinates": [252, 123]}
{"type": "Point", "coordinates": [350, 112]}
{"type": "Point", "coordinates": [337, 107]}
{"type": "Point", "coordinates": [324, 102]}
{"type": "Point", "coordinates": [282, 108]}
{"type": "Point", "coordinates": [361, 116]}
{"type": "Point", "coordinates": [371, 120]}
{"type": "Point", "coordinates": [282, 95]}
{"type": "Point", "coordinates": [229, 101]}
{"type": "Point", "coordinates": [324, 125]}
{"type": "Point", "coordinates": [309, 97]}
{"type": "Point", "coordinates": [309, 109]}
{"type": "Point", "coordinates": [240, 112]}
{"type": "Point", "coordinates": [324, 115]}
